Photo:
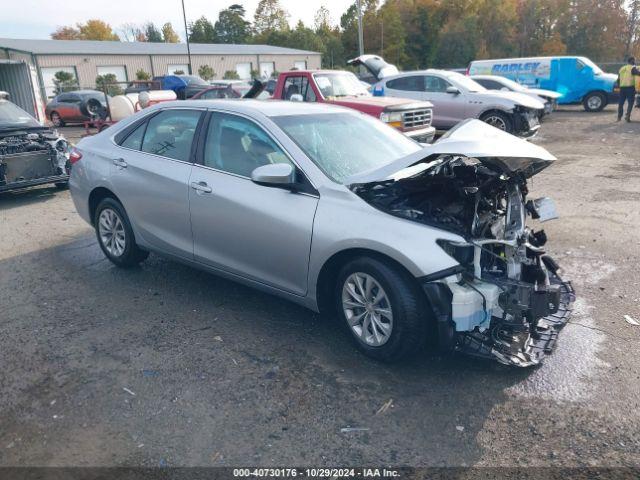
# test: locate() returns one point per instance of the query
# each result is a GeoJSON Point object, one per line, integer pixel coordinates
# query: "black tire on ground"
{"type": "Point", "coordinates": [56, 119]}
{"type": "Point", "coordinates": [132, 254]}
{"type": "Point", "coordinates": [594, 101]}
{"type": "Point", "coordinates": [499, 120]}
{"type": "Point", "coordinates": [410, 322]}
{"type": "Point", "coordinates": [62, 185]}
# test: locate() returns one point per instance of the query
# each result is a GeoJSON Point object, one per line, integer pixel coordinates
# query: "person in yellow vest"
{"type": "Point", "coordinates": [637, 91]}
{"type": "Point", "coordinates": [627, 84]}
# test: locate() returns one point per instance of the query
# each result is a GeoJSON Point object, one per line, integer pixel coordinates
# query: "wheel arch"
{"type": "Point", "coordinates": [329, 272]}
{"type": "Point", "coordinates": [96, 196]}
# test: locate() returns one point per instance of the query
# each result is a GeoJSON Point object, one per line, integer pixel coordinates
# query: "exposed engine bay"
{"type": "Point", "coordinates": [30, 158]}
{"type": "Point", "coordinates": [505, 299]}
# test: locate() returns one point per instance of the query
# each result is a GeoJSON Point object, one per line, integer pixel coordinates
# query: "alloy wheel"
{"type": "Point", "coordinates": [367, 309]}
{"type": "Point", "coordinates": [496, 121]}
{"type": "Point", "coordinates": [111, 231]}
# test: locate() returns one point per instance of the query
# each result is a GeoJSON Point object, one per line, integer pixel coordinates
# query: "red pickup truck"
{"type": "Point", "coordinates": [343, 88]}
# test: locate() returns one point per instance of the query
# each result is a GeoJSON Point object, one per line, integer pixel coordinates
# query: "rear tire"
{"type": "Point", "coordinates": [56, 119]}
{"type": "Point", "coordinates": [115, 236]}
{"type": "Point", "coordinates": [382, 308]}
{"type": "Point", "coordinates": [594, 102]}
{"type": "Point", "coordinates": [499, 120]}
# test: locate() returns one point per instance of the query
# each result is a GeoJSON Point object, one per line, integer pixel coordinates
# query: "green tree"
{"type": "Point", "coordinates": [152, 33]}
{"type": "Point", "coordinates": [231, 26]}
{"type": "Point", "coordinates": [64, 82]}
{"type": "Point", "coordinates": [142, 75]}
{"type": "Point", "coordinates": [304, 38]}
{"type": "Point", "coordinates": [270, 16]}
{"type": "Point", "coordinates": [206, 72]}
{"type": "Point", "coordinates": [202, 31]}
{"type": "Point", "coordinates": [231, 75]}
{"type": "Point", "coordinates": [169, 35]}
{"type": "Point", "coordinates": [107, 82]}
{"type": "Point", "coordinates": [392, 35]}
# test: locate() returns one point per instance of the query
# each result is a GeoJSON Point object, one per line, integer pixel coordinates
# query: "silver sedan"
{"type": "Point", "coordinates": [335, 210]}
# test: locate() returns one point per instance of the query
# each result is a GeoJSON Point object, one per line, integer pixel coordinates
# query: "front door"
{"type": "Point", "coordinates": [257, 232]}
{"type": "Point", "coordinates": [151, 172]}
{"type": "Point", "coordinates": [448, 108]}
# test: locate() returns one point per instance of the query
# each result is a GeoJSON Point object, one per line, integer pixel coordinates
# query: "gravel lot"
{"type": "Point", "coordinates": [166, 365]}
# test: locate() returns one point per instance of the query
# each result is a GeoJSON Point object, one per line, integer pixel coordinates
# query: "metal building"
{"type": "Point", "coordinates": [85, 60]}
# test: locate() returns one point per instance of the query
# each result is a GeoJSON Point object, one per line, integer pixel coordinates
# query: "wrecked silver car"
{"type": "Point", "coordinates": [30, 154]}
{"type": "Point", "coordinates": [505, 300]}
{"type": "Point", "coordinates": [341, 213]}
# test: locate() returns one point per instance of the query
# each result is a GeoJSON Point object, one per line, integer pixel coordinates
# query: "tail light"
{"type": "Point", "coordinates": [74, 155]}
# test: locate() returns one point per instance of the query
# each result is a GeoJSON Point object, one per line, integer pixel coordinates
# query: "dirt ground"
{"type": "Point", "coordinates": [166, 365]}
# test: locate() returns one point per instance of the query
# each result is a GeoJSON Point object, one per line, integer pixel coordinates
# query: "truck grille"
{"type": "Point", "coordinates": [416, 118]}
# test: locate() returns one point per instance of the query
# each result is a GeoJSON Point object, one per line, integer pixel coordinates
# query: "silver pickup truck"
{"type": "Point", "coordinates": [456, 97]}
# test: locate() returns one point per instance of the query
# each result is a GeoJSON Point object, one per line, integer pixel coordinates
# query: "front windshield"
{"type": "Point", "coordinates": [193, 80]}
{"type": "Point", "coordinates": [515, 86]}
{"type": "Point", "coordinates": [346, 144]}
{"type": "Point", "coordinates": [465, 82]}
{"type": "Point", "coordinates": [342, 84]}
{"type": "Point", "coordinates": [12, 116]}
{"type": "Point", "coordinates": [596, 69]}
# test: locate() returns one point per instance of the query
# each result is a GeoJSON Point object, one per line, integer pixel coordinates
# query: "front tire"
{"type": "Point", "coordinates": [594, 102]}
{"type": "Point", "coordinates": [115, 236]}
{"type": "Point", "coordinates": [382, 308]}
{"type": "Point", "coordinates": [499, 120]}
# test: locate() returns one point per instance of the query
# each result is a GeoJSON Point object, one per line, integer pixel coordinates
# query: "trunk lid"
{"type": "Point", "coordinates": [376, 65]}
{"type": "Point", "coordinates": [498, 150]}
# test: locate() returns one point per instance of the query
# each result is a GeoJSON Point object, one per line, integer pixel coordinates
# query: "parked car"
{"type": "Point", "coordinates": [240, 86]}
{"type": "Point", "coordinates": [30, 154]}
{"type": "Point", "coordinates": [343, 88]}
{"type": "Point", "coordinates": [340, 213]}
{"type": "Point", "coordinates": [577, 79]}
{"type": "Point", "coordinates": [75, 107]}
{"type": "Point", "coordinates": [217, 92]}
{"type": "Point", "coordinates": [496, 82]}
{"type": "Point", "coordinates": [456, 97]}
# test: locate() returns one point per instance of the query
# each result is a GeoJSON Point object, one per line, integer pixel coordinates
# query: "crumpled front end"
{"type": "Point", "coordinates": [505, 300]}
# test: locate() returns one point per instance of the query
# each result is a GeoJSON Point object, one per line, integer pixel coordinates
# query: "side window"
{"type": "Point", "coordinates": [490, 84]}
{"type": "Point", "coordinates": [435, 84]}
{"type": "Point", "coordinates": [64, 98]}
{"type": "Point", "coordinates": [414, 83]}
{"type": "Point", "coordinates": [170, 134]}
{"type": "Point", "coordinates": [237, 145]}
{"type": "Point", "coordinates": [301, 86]}
{"type": "Point", "coordinates": [134, 139]}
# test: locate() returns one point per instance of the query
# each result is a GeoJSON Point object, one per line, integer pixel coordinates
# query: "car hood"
{"type": "Point", "coordinates": [376, 66]}
{"type": "Point", "coordinates": [518, 98]}
{"type": "Point", "coordinates": [387, 103]}
{"type": "Point", "coordinates": [544, 93]}
{"type": "Point", "coordinates": [498, 150]}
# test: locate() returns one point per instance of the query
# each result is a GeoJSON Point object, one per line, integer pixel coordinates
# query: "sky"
{"type": "Point", "coordinates": [20, 20]}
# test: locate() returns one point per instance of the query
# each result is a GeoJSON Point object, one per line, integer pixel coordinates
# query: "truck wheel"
{"type": "Point", "coordinates": [594, 102]}
{"type": "Point", "coordinates": [381, 307]}
{"type": "Point", "coordinates": [500, 120]}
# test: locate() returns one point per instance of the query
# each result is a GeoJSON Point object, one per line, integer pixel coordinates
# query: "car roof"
{"type": "Point", "coordinates": [444, 73]}
{"type": "Point", "coordinates": [269, 108]}
{"type": "Point", "coordinates": [488, 77]}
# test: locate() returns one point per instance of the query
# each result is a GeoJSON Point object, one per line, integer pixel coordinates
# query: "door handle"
{"type": "Point", "coordinates": [119, 162]}
{"type": "Point", "coordinates": [201, 187]}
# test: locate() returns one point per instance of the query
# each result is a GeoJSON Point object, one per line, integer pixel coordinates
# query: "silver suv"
{"type": "Point", "coordinates": [456, 97]}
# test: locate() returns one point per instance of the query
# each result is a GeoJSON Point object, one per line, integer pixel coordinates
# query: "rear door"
{"type": "Point", "coordinates": [150, 173]}
{"type": "Point", "coordinates": [253, 231]}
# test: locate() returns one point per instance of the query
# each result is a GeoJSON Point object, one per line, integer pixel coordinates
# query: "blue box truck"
{"type": "Point", "coordinates": [578, 79]}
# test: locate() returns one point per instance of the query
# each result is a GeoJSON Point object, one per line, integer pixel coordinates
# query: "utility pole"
{"type": "Point", "coordinates": [360, 35]}
{"type": "Point", "coordinates": [186, 33]}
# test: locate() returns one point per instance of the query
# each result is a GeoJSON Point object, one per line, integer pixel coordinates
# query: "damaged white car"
{"type": "Point", "coordinates": [30, 154]}
{"type": "Point", "coordinates": [339, 212]}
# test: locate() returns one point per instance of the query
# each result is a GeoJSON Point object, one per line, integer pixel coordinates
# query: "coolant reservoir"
{"type": "Point", "coordinates": [467, 305]}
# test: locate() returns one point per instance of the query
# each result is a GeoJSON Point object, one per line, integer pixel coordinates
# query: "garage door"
{"type": "Point", "coordinates": [267, 69]}
{"type": "Point", "coordinates": [48, 75]}
{"type": "Point", "coordinates": [244, 70]}
{"type": "Point", "coordinates": [16, 80]}
{"type": "Point", "coordinates": [118, 70]}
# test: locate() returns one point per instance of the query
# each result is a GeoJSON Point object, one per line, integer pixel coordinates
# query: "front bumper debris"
{"type": "Point", "coordinates": [423, 135]}
{"type": "Point", "coordinates": [525, 347]}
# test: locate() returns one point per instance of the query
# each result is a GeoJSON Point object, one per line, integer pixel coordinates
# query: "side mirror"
{"type": "Point", "coordinates": [453, 90]}
{"type": "Point", "coordinates": [296, 97]}
{"type": "Point", "coordinates": [280, 175]}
